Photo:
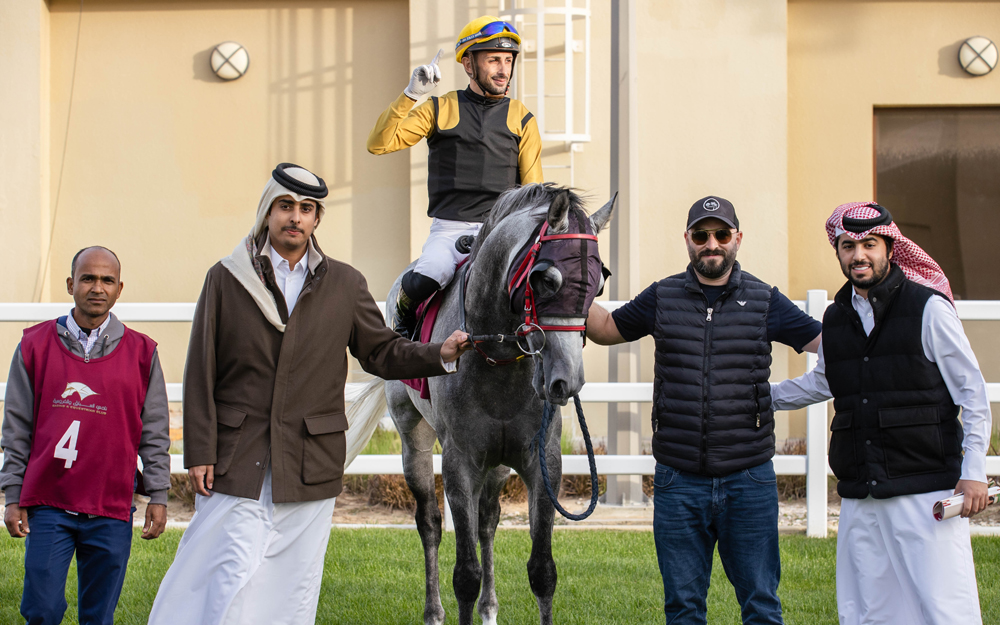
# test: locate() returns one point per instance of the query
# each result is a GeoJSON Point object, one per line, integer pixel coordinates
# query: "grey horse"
{"type": "Point", "coordinates": [486, 416]}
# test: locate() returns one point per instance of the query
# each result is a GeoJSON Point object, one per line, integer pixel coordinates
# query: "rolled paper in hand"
{"type": "Point", "coordinates": [952, 506]}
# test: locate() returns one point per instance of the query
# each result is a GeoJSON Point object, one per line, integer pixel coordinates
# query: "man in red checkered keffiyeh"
{"type": "Point", "coordinates": [860, 219]}
{"type": "Point", "coordinates": [897, 363]}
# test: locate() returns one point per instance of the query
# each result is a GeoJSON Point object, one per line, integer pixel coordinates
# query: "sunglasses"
{"type": "Point", "coordinates": [722, 235]}
{"type": "Point", "coordinates": [493, 28]}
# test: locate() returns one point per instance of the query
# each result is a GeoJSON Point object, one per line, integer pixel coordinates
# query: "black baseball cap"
{"type": "Point", "coordinates": [713, 206]}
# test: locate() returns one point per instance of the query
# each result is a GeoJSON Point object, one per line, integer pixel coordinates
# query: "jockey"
{"type": "Point", "coordinates": [480, 142]}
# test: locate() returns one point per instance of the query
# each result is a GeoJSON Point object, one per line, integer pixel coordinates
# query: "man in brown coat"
{"type": "Point", "coordinates": [264, 420]}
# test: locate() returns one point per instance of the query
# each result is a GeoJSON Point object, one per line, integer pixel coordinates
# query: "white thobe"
{"type": "Point", "coordinates": [247, 562]}
{"type": "Point", "coordinates": [895, 563]}
{"type": "Point", "coordinates": [250, 561]}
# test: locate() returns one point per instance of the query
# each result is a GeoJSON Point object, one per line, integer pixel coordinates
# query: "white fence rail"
{"type": "Point", "coordinates": [814, 465]}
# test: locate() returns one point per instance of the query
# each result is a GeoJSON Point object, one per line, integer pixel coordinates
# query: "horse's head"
{"type": "Point", "coordinates": [553, 273]}
{"type": "Point", "coordinates": [565, 279]}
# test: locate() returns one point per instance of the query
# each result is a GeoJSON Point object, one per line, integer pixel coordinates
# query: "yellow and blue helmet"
{"type": "Point", "coordinates": [487, 33]}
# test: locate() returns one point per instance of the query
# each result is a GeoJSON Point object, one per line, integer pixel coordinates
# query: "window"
{"type": "Point", "coordinates": [937, 170]}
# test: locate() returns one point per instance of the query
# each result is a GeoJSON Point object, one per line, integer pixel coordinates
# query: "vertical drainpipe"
{"type": "Point", "coordinates": [624, 420]}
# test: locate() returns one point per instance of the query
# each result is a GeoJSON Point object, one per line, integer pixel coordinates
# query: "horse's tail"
{"type": "Point", "coordinates": [363, 416]}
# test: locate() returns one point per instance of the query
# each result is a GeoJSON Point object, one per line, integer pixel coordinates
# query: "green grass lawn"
{"type": "Point", "coordinates": [376, 576]}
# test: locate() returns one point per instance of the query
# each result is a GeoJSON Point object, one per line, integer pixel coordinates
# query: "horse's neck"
{"type": "Point", "coordinates": [486, 300]}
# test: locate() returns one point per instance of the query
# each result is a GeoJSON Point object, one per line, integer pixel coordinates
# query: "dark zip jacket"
{"type": "Point", "coordinates": [712, 401]}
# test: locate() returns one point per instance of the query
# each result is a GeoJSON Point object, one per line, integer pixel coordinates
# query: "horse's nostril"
{"type": "Point", "coordinates": [559, 388]}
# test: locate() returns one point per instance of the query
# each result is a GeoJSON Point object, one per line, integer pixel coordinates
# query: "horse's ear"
{"type": "Point", "coordinates": [559, 212]}
{"type": "Point", "coordinates": [602, 218]}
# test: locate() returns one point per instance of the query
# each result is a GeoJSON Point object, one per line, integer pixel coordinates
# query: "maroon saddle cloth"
{"type": "Point", "coordinates": [427, 313]}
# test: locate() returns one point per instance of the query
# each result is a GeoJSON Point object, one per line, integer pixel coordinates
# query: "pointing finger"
{"type": "Point", "coordinates": [437, 57]}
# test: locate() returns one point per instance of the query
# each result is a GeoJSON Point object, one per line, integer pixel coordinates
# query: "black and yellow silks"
{"type": "Point", "coordinates": [478, 148]}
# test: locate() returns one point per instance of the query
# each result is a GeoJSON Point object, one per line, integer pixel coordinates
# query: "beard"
{"type": "Point", "coordinates": [880, 269]}
{"type": "Point", "coordinates": [487, 85]}
{"type": "Point", "coordinates": [716, 269]}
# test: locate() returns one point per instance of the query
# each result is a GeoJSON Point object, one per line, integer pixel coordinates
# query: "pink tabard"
{"type": "Point", "coordinates": [88, 421]}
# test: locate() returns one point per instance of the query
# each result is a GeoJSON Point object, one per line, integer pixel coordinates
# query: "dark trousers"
{"type": "Point", "coordinates": [740, 512]}
{"type": "Point", "coordinates": [102, 547]}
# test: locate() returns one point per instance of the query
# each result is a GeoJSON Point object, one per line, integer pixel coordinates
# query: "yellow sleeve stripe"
{"type": "Point", "coordinates": [447, 110]}
{"type": "Point", "coordinates": [518, 116]}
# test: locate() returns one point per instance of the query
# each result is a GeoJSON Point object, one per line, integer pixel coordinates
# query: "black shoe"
{"type": "Point", "coordinates": [404, 319]}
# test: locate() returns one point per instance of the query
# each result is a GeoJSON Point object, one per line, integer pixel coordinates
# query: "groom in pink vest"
{"type": "Point", "coordinates": [85, 398]}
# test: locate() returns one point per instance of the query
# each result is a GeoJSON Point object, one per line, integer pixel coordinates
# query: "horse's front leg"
{"type": "Point", "coordinates": [489, 517]}
{"type": "Point", "coordinates": [541, 517]}
{"type": "Point", "coordinates": [463, 483]}
{"type": "Point", "coordinates": [418, 469]}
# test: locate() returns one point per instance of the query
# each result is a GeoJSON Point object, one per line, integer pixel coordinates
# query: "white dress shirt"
{"type": "Point", "coordinates": [289, 279]}
{"type": "Point", "coordinates": [86, 340]}
{"type": "Point", "coordinates": [944, 342]}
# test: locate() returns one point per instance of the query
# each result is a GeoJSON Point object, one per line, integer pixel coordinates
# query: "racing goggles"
{"type": "Point", "coordinates": [722, 235]}
{"type": "Point", "coordinates": [493, 28]}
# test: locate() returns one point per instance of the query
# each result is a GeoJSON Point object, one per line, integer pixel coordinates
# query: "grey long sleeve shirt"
{"type": "Point", "coordinates": [19, 418]}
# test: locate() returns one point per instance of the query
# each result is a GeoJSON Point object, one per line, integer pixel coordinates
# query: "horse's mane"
{"type": "Point", "coordinates": [519, 200]}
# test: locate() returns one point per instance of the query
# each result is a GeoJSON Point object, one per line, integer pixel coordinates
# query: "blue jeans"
{"type": "Point", "coordinates": [102, 547]}
{"type": "Point", "coordinates": [740, 512]}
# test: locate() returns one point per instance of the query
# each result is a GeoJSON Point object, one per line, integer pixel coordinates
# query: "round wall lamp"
{"type": "Point", "coordinates": [230, 60]}
{"type": "Point", "coordinates": [977, 55]}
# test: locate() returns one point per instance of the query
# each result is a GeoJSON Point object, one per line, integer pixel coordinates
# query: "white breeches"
{"type": "Point", "coordinates": [439, 257]}
{"type": "Point", "coordinates": [246, 562]}
{"type": "Point", "coordinates": [897, 565]}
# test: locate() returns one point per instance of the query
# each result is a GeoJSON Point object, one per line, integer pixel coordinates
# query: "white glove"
{"type": "Point", "coordinates": [424, 79]}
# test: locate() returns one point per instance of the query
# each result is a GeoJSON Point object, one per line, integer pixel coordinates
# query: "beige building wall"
{"type": "Point", "coordinates": [164, 162]}
{"type": "Point", "coordinates": [24, 155]}
{"type": "Point", "coordinates": [121, 135]}
{"type": "Point", "coordinates": [846, 59]}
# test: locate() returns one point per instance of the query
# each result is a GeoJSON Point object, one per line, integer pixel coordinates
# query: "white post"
{"type": "Point", "coordinates": [449, 521]}
{"type": "Point", "coordinates": [816, 462]}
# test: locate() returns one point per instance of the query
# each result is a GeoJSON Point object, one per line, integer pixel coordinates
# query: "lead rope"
{"type": "Point", "coordinates": [539, 440]}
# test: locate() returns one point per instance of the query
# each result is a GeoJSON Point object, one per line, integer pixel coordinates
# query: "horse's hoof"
{"type": "Point", "coordinates": [436, 618]}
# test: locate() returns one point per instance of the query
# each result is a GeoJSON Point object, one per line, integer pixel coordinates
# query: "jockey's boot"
{"type": "Point", "coordinates": [404, 320]}
{"type": "Point", "coordinates": [414, 289]}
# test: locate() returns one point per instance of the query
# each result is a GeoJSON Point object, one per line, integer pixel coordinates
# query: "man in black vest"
{"type": "Point", "coordinates": [712, 420]}
{"type": "Point", "coordinates": [897, 363]}
{"type": "Point", "coordinates": [481, 143]}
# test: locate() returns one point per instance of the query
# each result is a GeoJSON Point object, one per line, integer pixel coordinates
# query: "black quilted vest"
{"type": "Point", "coordinates": [470, 165]}
{"type": "Point", "coordinates": [896, 430]}
{"type": "Point", "coordinates": [711, 398]}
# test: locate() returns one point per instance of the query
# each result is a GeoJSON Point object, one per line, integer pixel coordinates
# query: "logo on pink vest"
{"type": "Point", "coordinates": [82, 391]}
{"type": "Point", "coordinates": [79, 388]}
